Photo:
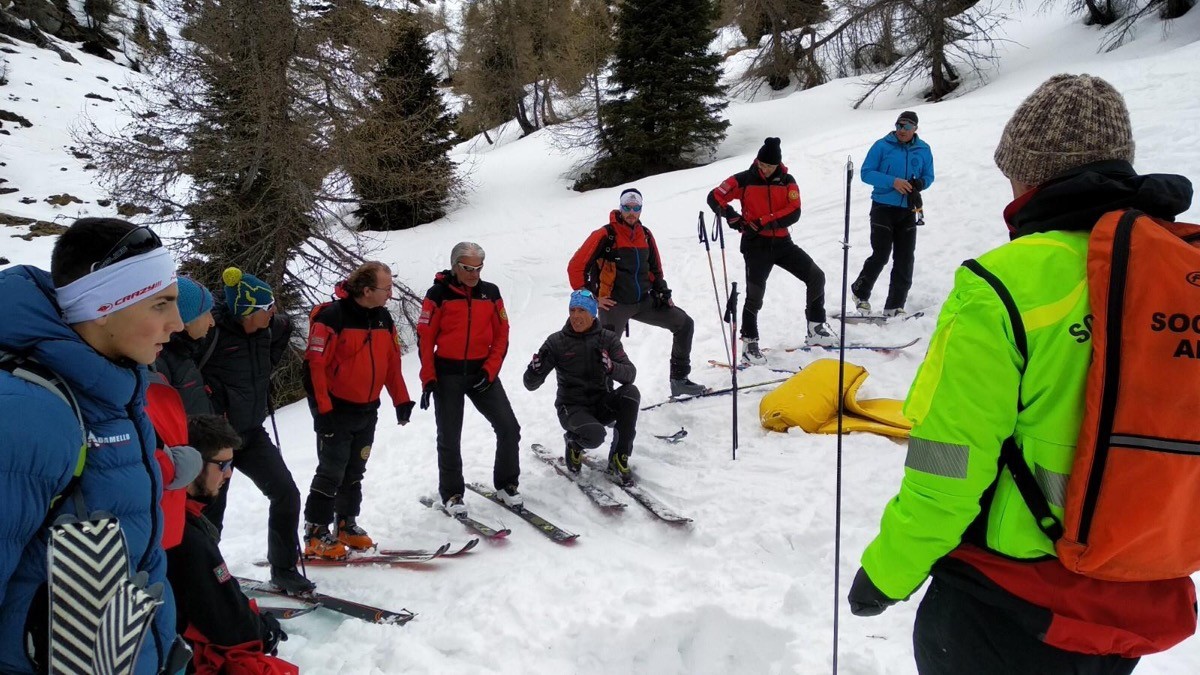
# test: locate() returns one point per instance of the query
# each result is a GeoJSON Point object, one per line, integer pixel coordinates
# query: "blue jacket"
{"type": "Point", "coordinates": [39, 446]}
{"type": "Point", "coordinates": [889, 159]}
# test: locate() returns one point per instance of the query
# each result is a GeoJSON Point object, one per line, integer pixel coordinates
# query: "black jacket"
{"type": "Point", "coordinates": [576, 356]}
{"type": "Point", "coordinates": [238, 371]}
{"type": "Point", "coordinates": [177, 363]}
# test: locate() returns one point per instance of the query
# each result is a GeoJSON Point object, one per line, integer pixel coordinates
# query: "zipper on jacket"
{"type": "Point", "coordinates": [637, 267]}
{"type": "Point", "coordinates": [371, 351]}
{"type": "Point", "coordinates": [467, 342]}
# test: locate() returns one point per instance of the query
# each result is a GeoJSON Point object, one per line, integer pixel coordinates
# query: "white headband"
{"type": "Point", "coordinates": [117, 286]}
{"type": "Point", "coordinates": [631, 198]}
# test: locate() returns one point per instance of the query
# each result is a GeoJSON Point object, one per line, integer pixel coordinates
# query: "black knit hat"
{"type": "Point", "coordinates": [770, 153]}
{"type": "Point", "coordinates": [907, 116]}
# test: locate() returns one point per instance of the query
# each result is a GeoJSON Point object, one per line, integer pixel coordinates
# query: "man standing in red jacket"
{"type": "Point", "coordinates": [353, 352]}
{"type": "Point", "coordinates": [463, 339]}
{"type": "Point", "coordinates": [770, 205]}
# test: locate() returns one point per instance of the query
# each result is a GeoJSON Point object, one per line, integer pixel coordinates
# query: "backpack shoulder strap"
{"type": "Point", "coordinates": [212, 346]}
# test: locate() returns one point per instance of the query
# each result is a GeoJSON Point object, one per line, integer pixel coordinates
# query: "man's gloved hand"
{"type": "Point", "coordinates": [752, 224]}
{"type": "Point", "coordinates": [426, 392]}
{"type": "Point", "coordinates": [483, 383]}
{"type": "Point", "coordinates": [865, 599]}
{"type": "Point", "coordinates": [661, 298]}
{"type": "Point", "coordinates": [606, 361]}
{"type": "Point", "coordinates": [535, 364]}
{"type": "Point", "coordinates": [272, 633]}
{"type": "Point", "coordinates": [404, 413]}
{"type": "Point", "coordinates": [733, 218]}
{"type": "Point", "coordinates": [917, 184]}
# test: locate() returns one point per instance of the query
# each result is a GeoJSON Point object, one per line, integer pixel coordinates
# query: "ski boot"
{"type": "Point", "coordinates": [682, 386]}
{"type": "Point", "coordinates": [319, 543]}
{"type": "Point", "coordinates": [353, 536]}
{"type": "Point", "coordinates": [819, 335]}
{"type": "Point", "coordinates": [510, 497]}
{"type": "Point", "coordinates": [751, 354]}
{"type": "Point", "coordinates": [573, 457]}
{"type": "Point", "coordinates": [618, 466]}
{"type": "Point", "coordinates": [455, 506]}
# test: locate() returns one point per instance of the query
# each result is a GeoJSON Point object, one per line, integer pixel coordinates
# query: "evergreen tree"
{"type": "Point", "coordinates": [410, 183]}
{"type": "Point", "coordinates": [667, 108]}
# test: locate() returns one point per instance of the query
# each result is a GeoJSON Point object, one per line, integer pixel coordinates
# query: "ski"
{"type": "Point", "coordinates": [714, 392]}
{"type": "Point", "coordinates": [285, 613]}
{"type": "Point", "coordinates": [484, 530]}
{"type": "Point", "coordinates": [597, 496]}
{"type": "Point", "coordinates": [675, 437]}
{"type": "Point", "coordinates": [652, 503]}
{"type": "Point", "coordinates": [871, 348]}
{"type": "Point", "coordinates": [363, 559]}
{"type": "Point", "coordinates": [350, 608]}
{"type": "Point", "coordinates": [416, 552]}
{"type": "Point", "coordinates": [877, 319]}
{"type": "Point", "coordinates": [554, 532]}
{"type": "Point", "coordinates": [743, 366]}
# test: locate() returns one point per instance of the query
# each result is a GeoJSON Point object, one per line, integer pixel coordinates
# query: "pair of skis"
{"type": "Point", "coordinates": [387, 557]}
{"type": "Point", "coordinates": [882, 349]}
{"type": "Point", "coordinates": [602, 499]}
{"type": "Point", "coordinates": [547, 528]}
{"type": "Point", "coordinates": [310, 602]}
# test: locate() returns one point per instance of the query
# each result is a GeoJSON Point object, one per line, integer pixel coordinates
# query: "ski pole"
{"type": "Point", "coordinates": [837, 526]}
{"type": "Point", "coordinates": [713, 273]}
{"type": "Point", "coordinates": [731, 318]}
{"type": "Point", "coordinates": [720, 237]}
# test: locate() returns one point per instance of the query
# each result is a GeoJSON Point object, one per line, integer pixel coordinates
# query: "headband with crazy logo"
{"type": "Point", "coordinates": [117, 286]}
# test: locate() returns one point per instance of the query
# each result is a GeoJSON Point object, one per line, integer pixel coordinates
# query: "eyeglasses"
{"type": "Point", "coordinates": [135, 242]}
{"type": "Point", "coordinates": [381, 288]}
{"type": "Point", "coordinates": [631, 208]}
{"type": "Point", "coordinates": [905, 127]}
{"type": "Point", "coordinates": [223, 465]}
{"type": "Point", "coordinates": [470, 268]}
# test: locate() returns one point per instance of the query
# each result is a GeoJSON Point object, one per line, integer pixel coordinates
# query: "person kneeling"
{"type": "Point", "coordinates": [588, 358]}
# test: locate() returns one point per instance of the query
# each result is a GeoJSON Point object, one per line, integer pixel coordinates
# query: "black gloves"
{"type": "Point", "coordinates": [426, 392]}
{"type": "Point", "coordinates": [535, 364]}
{"type": "Point", "coordinates": [733, 218]}
{"type": "Point", "coordinates": [661, 297]}
{"type": "Point", "coordinates": [606, 361]}
{"type": "Point", "coordinates": [323, 422]}
{"type": "Point", "coordinates": [917, 184]}
{"type": "Point", "coordinates": [272, 633]}
{"type": "Point", "coordinates": [483, 383]}
{"type": "Point", "coordinates": [865, 599]}
{"type": "Point", "coordinates": [404, 413]}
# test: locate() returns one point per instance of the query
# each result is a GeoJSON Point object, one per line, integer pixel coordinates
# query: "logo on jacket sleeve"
{"type": "Point", "coordinates": [221, 572]}
{"type": "Point", "coordinates": [425, 318]}
{"type": "Point", "coordinates": [794, 195]}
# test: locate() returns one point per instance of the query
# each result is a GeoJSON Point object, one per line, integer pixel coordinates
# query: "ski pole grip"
{"type": "Point", "coordinates": [731, 304]}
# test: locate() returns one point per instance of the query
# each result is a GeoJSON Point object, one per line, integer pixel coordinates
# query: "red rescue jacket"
{"type": "Point", "coordinates": [774, 201]}
{"type": "Point", "coordinates": [165, 409]}
{"type": "Point", "coordinates": [461, 329]}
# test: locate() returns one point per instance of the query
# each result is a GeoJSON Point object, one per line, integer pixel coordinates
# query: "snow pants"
{"type": "Point", "coordinates": [585, 425]}
{"type": "Point", "coordinates": [262, 463]}
{"type": "Point", "coordinates": [957, 633]}
{"type": "Point", "coordinates": [762, 254]}
{"type": "Point", "coordinates": [448, 404]}
{"type": "Point", "coordinates": [894, 235]}
{"type": "Point", "coordinates": [344, 439]}
{"type": "Point", "coordinates": [676, 320]}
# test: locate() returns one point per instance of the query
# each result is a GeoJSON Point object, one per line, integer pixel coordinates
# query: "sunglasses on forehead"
{"type": "Point", "coordinates": [470, 268]}
{"type": "Point", "coordinates": [136, 242]}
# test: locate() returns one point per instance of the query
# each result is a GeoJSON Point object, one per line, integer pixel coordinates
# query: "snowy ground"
{"type": "Point", "coordinates": [748, 588]}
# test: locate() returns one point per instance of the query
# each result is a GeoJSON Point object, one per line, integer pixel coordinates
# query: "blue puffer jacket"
{"type": "Point", "coordinates": [889, 159]}
{"type": "Point", "coordinates": [39, 445]}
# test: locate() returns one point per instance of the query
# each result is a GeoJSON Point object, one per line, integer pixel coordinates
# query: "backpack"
{"type": "Point", "coordinates": [1132, 508]}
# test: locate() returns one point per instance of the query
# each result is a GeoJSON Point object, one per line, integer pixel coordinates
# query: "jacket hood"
{"type": "Point", "coordinates": [1075, 200]}
{"type": "Point", "coordinates": [339, 290]}
{"type": "Point", "coordinates": [28, 292]}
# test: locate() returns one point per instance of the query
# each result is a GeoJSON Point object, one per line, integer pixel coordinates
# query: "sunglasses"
{"type": "Point", "coordinates": [470, 268]}
{"type": "Point", "coordinates": [905, 127]}
{"type": "Point", "coordinates": [630, 208]}
{"type": "Point", "coordinates": [266, 307]}
{"type": "Point", "coordinates": [223, 465]}
{"type": "Point", "coordinates": [136, 242]}
{"type": "Point", "coordinates": [585, 293]}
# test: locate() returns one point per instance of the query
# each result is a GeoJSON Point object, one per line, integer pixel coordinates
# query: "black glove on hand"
{"type": "Point", "coordinates": [865, 599]}
{"type": "Point", "coordinates": [535, 364]}
{"type": "Point", "coordinates": [661, 298]}
{"type": "Point", "coordinates": [753, 225]}
{"type": "Point", "coordinates": [606, 361]}
{"type": "Point", "coordinates": [917, 184]}
{"type": "Point", "coordinates": [404, 413]}
{"type": "Point", "coordinates": [323, 422]}
{"type": "Point", "coordinates": [272, 633]}
{"type": "Point", "coordinates": [733, 218]}
{"type": "Point", "coordinates": [483, 383]}
{"type": "Point", "coordinates": [426, 392]}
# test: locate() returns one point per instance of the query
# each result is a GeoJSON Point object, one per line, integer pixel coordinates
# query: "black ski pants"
{"type": "Point", "coordinates": [762, 254]}
{"type": "Point", "coordinates": [957, 633]}
{"type": "Point", "coordinates": [585, 425]}
{"type": "Point", "coordinates": [448, 404]}
{"type": "Point", "coordinates": [344, 439]}
{"type": "Point", "coordinates": [893, 234]}
{"type": "Point", "coordinates": [262, 463]}
{"type": "Point", "coordinates": [674, 319]}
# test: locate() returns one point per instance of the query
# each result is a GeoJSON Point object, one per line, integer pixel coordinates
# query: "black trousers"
{"type": "Point", "coordinates": [448, 403]}
{"type": "Point", "coordinates": [676, 320]}
{"type": "Point", "coordinates": [344, 439]}
{"type": "Point", "coordinates": [956, 633]}
{"type": "Point", "coordinates": [894, 235]}
{"type": "Point", "coordinates": [262, 463]}
{"type": "Point", "coordinates": [585, 425]}
{"type": "Point", "coordinates": [762, 254]}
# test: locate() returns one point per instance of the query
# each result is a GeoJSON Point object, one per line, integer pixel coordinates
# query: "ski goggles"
{"type": "Point", "coordinates": [631, 208]}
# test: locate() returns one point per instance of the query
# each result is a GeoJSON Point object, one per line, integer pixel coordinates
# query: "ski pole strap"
{"type": "Point", "coordinates": [731, 305]}
{"type": "Point", "coordinates": [702, 231]}
{"type": "Point", "coordinates": [1035, 499]}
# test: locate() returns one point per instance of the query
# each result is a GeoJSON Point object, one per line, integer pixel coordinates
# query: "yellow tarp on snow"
{"type": "Point", "coordinates": [809, 400]}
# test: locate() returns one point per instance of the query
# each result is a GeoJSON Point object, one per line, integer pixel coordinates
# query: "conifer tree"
{"type": "Point", "coordinates": [666, 110]}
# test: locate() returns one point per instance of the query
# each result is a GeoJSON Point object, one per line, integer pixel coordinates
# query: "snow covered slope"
{"type": "Point", "coordinates": [747, 588]}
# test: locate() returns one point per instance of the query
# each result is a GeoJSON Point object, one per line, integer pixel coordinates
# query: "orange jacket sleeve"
{"type": "Point", "coordinates": [322, 341]}
{"type": "Point", "coordinates": [396, 387]}
{"type": "Point", "coordinates": [577, 269]}
{"type": "Point", "coordinates": [499, 349]}
{"type": "Point", "coordinates": [427, 332]}
{"type": "Point", "coordinates": [726, 192]}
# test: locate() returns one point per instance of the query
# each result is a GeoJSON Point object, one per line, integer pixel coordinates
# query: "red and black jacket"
{"type": "Point", "coordinates": [618, 261]}
{"type": "Point", "coordinates": [352, 353]}
{"type": "Point", "coordinates": [773, 202]}
{"type": "Point", "coordinates": [462, 329]}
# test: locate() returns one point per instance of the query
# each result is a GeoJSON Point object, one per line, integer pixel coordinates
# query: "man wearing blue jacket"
{"type": "Point", "coordinates": [96, 320]}
{"type": "Point", "coordinates": [899, 167]}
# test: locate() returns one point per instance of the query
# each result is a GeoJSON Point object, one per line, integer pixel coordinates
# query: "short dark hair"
{"type": "Point", "coordinates": [84, 244]}
{"type": "Point", "coordinates": [211, 434]}
{"type": "Point", "coordinates": [366, 276]}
